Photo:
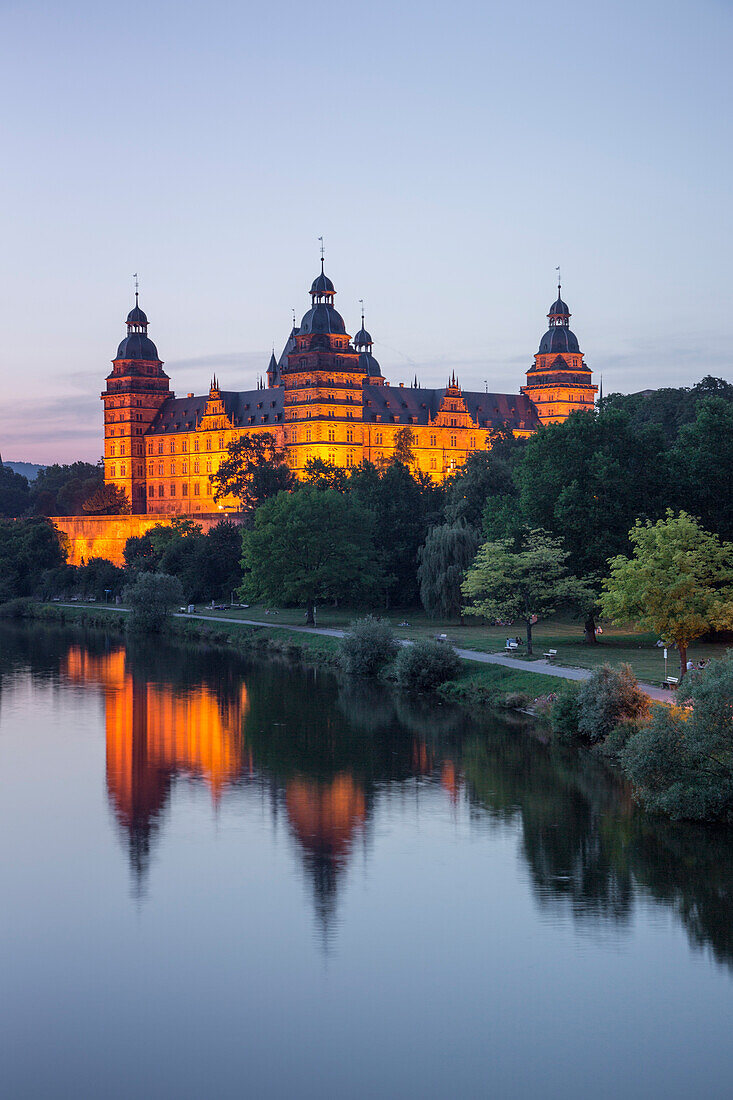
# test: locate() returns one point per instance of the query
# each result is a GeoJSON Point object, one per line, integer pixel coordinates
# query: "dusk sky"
{"type": "Point", "coordinates": [451, 155]}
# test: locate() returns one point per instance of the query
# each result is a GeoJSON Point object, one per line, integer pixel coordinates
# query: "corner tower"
{"type": "Point", "coordinates": [559, 382]}
{"type": "Point", "coordinates": [137, 386]}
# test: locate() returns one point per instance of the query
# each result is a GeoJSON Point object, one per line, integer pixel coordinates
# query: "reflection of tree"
{"type": "Point", "coordinates": [562, 809]}
{"type": "Point", "coordinates": [324, 749]}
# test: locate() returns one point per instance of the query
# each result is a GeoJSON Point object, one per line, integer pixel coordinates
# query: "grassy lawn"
{"type": "Point", "coordinates": [615, 646]}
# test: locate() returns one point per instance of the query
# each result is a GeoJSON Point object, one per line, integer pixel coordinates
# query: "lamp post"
{"type": "Point", "coordinates": [108, 593]}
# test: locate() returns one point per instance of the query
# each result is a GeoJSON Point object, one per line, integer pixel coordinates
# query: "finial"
{"type": "Point", "coordinates": [322, 253]}
{"type": "Point", "coordinates": [559, 281]}
{"type": "Point", "coordinates": [137, 286]}
{"type": "Point", "coordinates": [293, 318]}
{"type": "Point", "coordinates": [361, 303]}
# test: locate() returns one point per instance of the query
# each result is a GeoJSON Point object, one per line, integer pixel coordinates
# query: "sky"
{"type": "Point", "coordinates": [451, 155]}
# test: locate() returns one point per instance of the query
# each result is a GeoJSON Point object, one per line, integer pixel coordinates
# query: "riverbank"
{"type": "Point", "coordinates": [498, 681]}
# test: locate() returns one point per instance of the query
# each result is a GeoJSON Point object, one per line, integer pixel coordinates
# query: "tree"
{"type": "Point", "coordinates": [99, 578]}
{"type": "Point", "coordinates": [681, 764]}
{"type": "Point", "coordinates": [324, 475]}
{"type": "Point", "coordinates": [309, 546]}
{"type": "Point", "coordinates": [586, 481]}
{"type": "Point", "coordinates": [404, 447]}
{"type": "Point", "coordinates": [702, 461]}
{"type": "Point", "coordinates": [526, 584]}
{"type": "Point", "coordinates": [679, 581]}
{"type": "Point", "coordinates": [28, 549]}
{"type": "Point", "coordinates": [14, 492]}
{"type": "Point", "coordinates": [151, 597]}
{"type": "Point", "coordinates": [107, 500]}
{"type": "Point", "coordinates": [482, 476]}
{"type": "Point", "coordinates": [254, 470]}
{"type": "Point", "coordinates": [368, 646]}
{"type": "Point", "coordinates": [404, 506]}
{"type": "Point", "coordinates": [60, 490]}
{"type": "Point", "coordinates": [444, 557]}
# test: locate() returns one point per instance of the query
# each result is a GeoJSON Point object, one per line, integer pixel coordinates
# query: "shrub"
{"type": "Point", "coordinates": [515, 700]}
{"type": "Point", "coordinates": [21, 607]}
{"type": "Point", "coordinates": [565, 715]}
{"type": "Point", "coordinates": [152, 596]}
{"type": "Point", "coordinates": [681, 764]}
{"type": "Point", "coordinates": [425, 665]}
{"type": "Point", "coordinates": [610, 697]}
{"type": "Point", "coordinates": [369, 645]}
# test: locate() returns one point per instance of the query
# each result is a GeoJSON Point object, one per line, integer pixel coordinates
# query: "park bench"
{"type": "Point", "coordinates": [671, 682]}
{"type": "Point", "coordinates": [441, 637]}
{"type": "Point", "coordinates": [511, 645]}
{"type": "Point", "coordinates": [550, 655]}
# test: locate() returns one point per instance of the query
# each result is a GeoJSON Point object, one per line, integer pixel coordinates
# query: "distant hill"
{"type": "Point", "coordinates": [27, 469]}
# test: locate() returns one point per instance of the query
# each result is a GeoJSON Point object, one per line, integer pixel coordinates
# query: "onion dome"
{"type": "Point", "coordinates": [559, 339]}
{"type": "Point", "coordinates": [322, 285]}
{"type": "Point", "coordinates": [322, 317]}
{"type": "Point", "coordinates": [137, 344]}
{"type": "Point", "coordinates": [363, 338]}
{"type": "Point", "coordinates": [369, 365]}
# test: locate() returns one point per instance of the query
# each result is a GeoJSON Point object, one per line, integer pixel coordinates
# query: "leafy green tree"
{"type": "Point", "coordinates": [482, 476]}
{"type": "Point", "coordinates": [667, 409]}
{"type": "Point", "coordinates": [368, 646]}
{"type": "Point", "coordinates": [14, 492]}
{"type": "Point", "coordinates": [404, 506]}
{"type": "Point", "coordinates": [254, 470]}
{"type": "Point", "coordinates": [28, 548]}
{"type": "Point", "coordinates": [60, 490]}
{"type": "Point", "coordinates": [702, 465]}
{"type": "Point", "coordinates": [526, 584]}
{"type": "Point", "coordinates": [99, 577]}
{"type": "Point", "coordinates": [586, 481]}
{"type": "Point", "coordinates": [444, 557]}
{"type": "Point", "coordinates": [107, 500]}
{"type": "Point", "coordinates": [307, 547]}
{"type": "Point", "coordinates": [426, 665]}
{"type": "Point", "coordinates": [151, 598]}
{"type": "Point", "coordinates": [678, 582]}
{"type": "Point", "coordinates": [681, 764]}
{"type": "Point", "coordinates": [324, 475]}
{"type": "Point", "coordinates": [404, 447]}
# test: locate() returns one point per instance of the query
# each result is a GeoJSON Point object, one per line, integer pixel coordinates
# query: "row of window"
{"type": "Point", "coordinates": [184, 490]}
{"type": "Point", "coordinates": [183, 470]}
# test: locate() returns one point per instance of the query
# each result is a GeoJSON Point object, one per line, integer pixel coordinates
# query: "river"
{"type": "Point", "coordinates": [224, 879]}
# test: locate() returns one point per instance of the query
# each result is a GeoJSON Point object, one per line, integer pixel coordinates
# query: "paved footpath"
{"type": "Point", "coordinates": [540, 668]}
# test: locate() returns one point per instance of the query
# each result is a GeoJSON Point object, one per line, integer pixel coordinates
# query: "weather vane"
{"type": "Point", "coordinates": [137, 286]}
{"type": "Point", "coordinates": [322, 248]}
{"type": "Point", "coordinates": [361, 303]}
{"type": "Point", "coordinates": [559, 281]}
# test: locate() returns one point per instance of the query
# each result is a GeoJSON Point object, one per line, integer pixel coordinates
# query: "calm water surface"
{"type": "Point", "coordinates": [222, 879]}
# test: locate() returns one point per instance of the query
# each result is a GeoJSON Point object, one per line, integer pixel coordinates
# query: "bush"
{"type": "Point", "coordinates": [369, 645]}
{"type": "Point", "coordinates": [21, 607]}
{"type": "Point", "coordinates": [152, 597]}
{"type": "Point", "coordinates": [610, 697]}
{"type": "Point", "coordinates": [425, 665]}
{"type": "Point", "coordinates": [565, 715]}
{"type": "Point", "coordinates": [681, 764]}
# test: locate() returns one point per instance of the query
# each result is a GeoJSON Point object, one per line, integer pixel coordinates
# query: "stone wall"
{"type": "Point", "coordinates": [105, 536]}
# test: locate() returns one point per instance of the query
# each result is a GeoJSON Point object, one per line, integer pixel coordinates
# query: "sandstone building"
{"type": "Point", "coordinates": [325, 397]}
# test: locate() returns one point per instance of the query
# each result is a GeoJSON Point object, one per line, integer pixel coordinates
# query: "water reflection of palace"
{"type": "Point", "coordinates": [329, 756]}
{"type": "Point", "coordinates": [157, 732]}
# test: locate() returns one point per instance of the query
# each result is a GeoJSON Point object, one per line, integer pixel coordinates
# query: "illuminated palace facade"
{"type": "Point", "coordinates": [325, 397]}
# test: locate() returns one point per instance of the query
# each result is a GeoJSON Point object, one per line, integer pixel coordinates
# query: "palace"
{"type": "Point", "coordinates": [325, 397]}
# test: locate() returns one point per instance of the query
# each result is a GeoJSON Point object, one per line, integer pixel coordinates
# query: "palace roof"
{"type": "Point", "coordinates": [403, 405]}
{"type": "Point", "coordinates": [245, 409]}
